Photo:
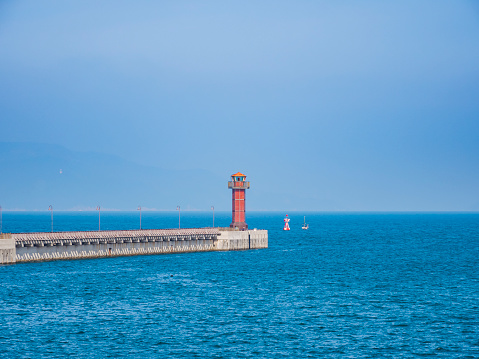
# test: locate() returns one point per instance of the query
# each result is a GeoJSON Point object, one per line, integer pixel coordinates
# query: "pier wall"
{"type": "Point", "coordinates": [75, 251]}
{"type": "Point", "coordinates": [27, 247]}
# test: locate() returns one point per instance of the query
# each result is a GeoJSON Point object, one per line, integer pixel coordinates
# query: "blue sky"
{"type": "Point", "coordinates": [329, 106]}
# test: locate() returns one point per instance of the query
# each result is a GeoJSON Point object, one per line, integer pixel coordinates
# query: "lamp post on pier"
{"type": "Point", "coordinates": [139, 209]}
{"type": "Point", "coordinates": [0, 219]}
{"type": "Point", "coordinates": [179, 216]}
{"type": "Point", "coordinates": [213, 208]}
{"type": "Point", "coordinates": [50, 208]}
{"type": "Point", "coordinates": [98, 209]}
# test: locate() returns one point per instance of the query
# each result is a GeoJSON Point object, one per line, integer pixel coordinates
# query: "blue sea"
{"type": "Point", "coordinates": [355, 285]}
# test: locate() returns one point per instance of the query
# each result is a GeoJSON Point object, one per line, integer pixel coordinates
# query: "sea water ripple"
{"type": "Point", "coordinates": [353, 285]}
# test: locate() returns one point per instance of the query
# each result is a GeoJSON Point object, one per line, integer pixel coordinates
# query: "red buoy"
{"type": "Point", "coordinates": [286, 224]}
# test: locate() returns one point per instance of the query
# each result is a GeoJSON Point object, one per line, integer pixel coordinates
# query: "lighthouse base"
{"type": "Point", "coordinates": [239, 225]}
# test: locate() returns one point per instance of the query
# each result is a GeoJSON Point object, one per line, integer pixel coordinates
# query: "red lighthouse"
{"type": "Point", "coordinates": [238, 185]}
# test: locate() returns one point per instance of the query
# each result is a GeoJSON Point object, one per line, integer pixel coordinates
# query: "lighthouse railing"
{"type": "Point", "coordinates": [235, 184]}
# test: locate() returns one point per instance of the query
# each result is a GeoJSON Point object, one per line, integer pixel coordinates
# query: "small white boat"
{"type": "Point", "coordinates": [305, 225]}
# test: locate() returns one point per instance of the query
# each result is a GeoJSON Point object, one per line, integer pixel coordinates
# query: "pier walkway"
{"type": "Point", "coordinates": [41, 239]}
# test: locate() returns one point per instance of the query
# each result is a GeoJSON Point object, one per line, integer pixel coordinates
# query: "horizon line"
{"type": "Point", "coordinates": [253, 210]}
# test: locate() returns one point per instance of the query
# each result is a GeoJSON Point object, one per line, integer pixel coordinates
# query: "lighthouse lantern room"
{"type": "Point", "coordinates": [238, 185]}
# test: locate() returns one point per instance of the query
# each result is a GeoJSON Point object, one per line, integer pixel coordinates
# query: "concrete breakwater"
{"type": "Point", "coordinates": [27, 247]}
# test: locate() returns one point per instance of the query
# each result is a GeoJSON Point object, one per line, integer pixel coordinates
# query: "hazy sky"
{"type": "Point", "coordinates": [325, 105]}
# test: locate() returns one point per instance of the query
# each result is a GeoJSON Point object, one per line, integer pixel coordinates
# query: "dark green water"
{"type": "Point", "coordinates": [353, 285]}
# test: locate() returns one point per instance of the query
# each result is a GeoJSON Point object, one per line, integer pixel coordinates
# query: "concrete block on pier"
{"type": "Point", "coordinates": [230, 240]}
{"type": "Point", "coordinates": [8, 250]}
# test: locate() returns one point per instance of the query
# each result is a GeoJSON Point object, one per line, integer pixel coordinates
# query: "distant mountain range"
{"type": "Point", "coordinates": [34, 176]}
